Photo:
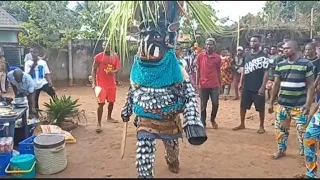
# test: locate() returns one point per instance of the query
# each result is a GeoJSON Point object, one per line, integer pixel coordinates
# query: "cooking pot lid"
{"type": "Point", "coordinates": [47, 141]}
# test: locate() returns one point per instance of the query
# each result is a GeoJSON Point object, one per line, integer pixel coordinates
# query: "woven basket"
{"type": "Point", "coordinates": [51, 160]}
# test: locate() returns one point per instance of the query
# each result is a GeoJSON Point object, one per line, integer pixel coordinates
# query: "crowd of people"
{"type": "Point", "coordinates": [285, 74]}
{"type": "Point", "coordinates": [29, 80]}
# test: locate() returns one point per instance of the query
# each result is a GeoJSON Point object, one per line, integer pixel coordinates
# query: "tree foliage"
{"type": "Point", "coordinates": [190, 25]}
{"type": "Point", "coordinates": [15, 9]}
{"type": "Point", "coordinates": [51, 24]}
{"type": "Point", "coordinates": [92, 15]}
{"type": "Point", "coordinates": [48, 24]}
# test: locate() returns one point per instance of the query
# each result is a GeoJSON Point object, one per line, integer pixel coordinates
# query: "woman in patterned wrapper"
{"type": "Point", "coordinates": [226, 73]}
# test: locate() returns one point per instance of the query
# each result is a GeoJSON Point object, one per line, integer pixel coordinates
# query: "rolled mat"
{"type": "Point", "coordinates": [195, 134]}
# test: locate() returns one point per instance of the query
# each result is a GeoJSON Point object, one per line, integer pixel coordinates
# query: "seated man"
{"type": "Point", "coordinates": [23, 85]}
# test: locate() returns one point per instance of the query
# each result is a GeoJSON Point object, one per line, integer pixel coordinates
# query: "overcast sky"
{"type": "Point", "coordinates": [233, 9]}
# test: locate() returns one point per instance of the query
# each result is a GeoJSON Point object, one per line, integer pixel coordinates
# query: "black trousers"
{"type": "Point", "coordinates": [205, 93]}
{"type": "Point", "coordinates": [46, 88]}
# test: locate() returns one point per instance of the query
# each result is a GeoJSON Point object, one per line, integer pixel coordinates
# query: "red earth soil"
{"type": "Point", "coordinates": [225, 154]}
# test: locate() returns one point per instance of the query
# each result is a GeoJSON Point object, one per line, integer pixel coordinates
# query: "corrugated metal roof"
{"type": "Point", "coordinates": [7, 21]}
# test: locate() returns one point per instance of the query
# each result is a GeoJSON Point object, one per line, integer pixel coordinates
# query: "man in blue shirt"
{"type": "Point", "coordinates": [23, 85]}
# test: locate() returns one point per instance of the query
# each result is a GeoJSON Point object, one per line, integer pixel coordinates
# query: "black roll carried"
{"type": "Point", "coordinates": [195, 134]}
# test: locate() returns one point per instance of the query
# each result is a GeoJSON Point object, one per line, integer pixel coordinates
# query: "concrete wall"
{"type": "Point", "coordinates": [83, 52]}
{"type": "Point", "coordinates": [8, 36]}
{"type": "Point", "coordinates": [58, 65]}
{"type": "Point", "coordinates": [82, 57]}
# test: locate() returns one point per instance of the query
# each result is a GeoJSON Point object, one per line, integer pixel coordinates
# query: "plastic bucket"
{"type": "Point", "coordinates": [22, 166]}
{"type": "Point", "coordinates": [13, 67]}
{"type": "Point", "coordinates": [4, 161]}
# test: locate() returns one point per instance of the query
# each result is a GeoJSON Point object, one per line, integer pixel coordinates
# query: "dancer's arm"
{"type": "Point", "coordinates": [190, 112]}
{"type": "Point", "coordinates": [126, 111]}
{"type": "Point", "coordinates": [192, 124]}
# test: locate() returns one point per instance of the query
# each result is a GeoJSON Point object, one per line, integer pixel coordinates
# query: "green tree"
{"type": "Point", "coordinates": [190, 24]}
{"type": "Point", "coordinates": [15, 9]}
{"type": "Point", "coordinates": [49, 24]}
{"type": "Point", "coordinates": [92, 15]}
{"type": "Point", "coordinates": [297, 12]}
{"type": "Point", "coordinates": [47, 20]}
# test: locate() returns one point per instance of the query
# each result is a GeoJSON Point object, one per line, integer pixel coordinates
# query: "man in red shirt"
{"type": "Point", "coordinates": [209, 79]}
{"type": "Point", "coordinates": [105, 66]}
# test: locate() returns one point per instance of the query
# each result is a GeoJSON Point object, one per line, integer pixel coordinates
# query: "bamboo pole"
{"type": "Point", "coordinates": [238, 36]}
{"type": "Point", "coordinates": [311, 24]}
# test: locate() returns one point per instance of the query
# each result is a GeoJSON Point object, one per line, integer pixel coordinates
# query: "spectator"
{"type": "Point", "coordinates": [253, 83]}
{"type": "Point", "coordinates": [209, 80]}
{"type": "Point", "coordinates": [237, 70]}
{"type": "Point", "coordinates": [40, 73]}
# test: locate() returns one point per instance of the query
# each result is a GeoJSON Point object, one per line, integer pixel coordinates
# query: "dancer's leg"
{"type": "Point", "coordinates": [172, 154]}
{"type": "Point", "coordinates": [145, 158]}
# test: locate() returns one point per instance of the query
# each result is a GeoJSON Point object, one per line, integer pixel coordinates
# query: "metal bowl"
{"type": "Point", "coordinates": [19, 100]}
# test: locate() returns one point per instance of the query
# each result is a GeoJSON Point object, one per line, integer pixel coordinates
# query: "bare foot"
{"type": "Point", "coordinates": [236, 98]}
{"type": "Point", "coordinates": [98, 128]}
{"type": "Point", "coordinates": [261, 130]}
{"type": "Point", "coordinates": [214, 125]}
{"type": "Point", "coordinates": [277, 155]}
{"type": "Point", "coordinates": [239, 128]}
{"type": "Point", "coordinates": [112, 120]}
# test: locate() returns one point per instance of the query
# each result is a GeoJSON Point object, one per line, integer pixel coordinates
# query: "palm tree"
{"type": "Point", "coordinates": [127, 14]}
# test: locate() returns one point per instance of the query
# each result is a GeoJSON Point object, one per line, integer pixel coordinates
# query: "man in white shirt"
{"type": "Point", "coordinates": [40, 73]}
{"type": "Point", "coordinates": [28, 57]}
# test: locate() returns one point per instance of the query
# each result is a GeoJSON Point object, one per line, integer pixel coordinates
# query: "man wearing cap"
{"type": "Point", "coordinates": [237, 67]}
{"type": "Point", "coordinates": [105, 66]}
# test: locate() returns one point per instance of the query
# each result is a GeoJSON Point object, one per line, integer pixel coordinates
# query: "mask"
{"type": "Point", "coordinates": [156, 37]}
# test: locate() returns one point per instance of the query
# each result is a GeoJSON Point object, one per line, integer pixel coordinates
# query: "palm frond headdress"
{"type": "Point", "coordinates": [157, 23]}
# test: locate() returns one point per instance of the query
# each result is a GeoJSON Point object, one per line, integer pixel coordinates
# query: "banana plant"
{"type": "Point", "coordinates": [157, 23]}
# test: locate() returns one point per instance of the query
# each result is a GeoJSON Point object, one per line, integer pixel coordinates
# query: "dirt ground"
{"type": "Point", "coordinates": [225, 154]}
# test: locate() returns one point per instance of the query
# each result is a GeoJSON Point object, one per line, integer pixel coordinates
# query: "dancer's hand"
{"type": "Point", "coordinates": [270, 109]}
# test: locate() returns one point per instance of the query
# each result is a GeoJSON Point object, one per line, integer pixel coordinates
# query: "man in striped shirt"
{"type": "Point", "coordinates": [294, 78]}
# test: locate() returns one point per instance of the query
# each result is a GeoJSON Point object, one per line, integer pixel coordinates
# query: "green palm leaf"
{"type": "Point", "coordinates": [125, 12]}
{"type": "Point", "coordinates": [59, 108]}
